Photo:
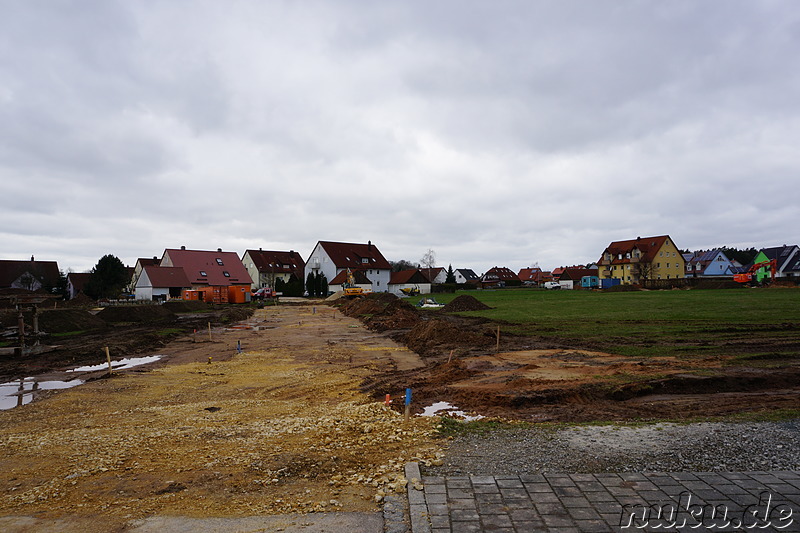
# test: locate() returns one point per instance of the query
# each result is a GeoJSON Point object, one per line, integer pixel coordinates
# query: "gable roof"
{"type": "Point", "coordinates": [46, 272]}
{"type": "Point", "coordinates": [355, 256]}
{"type": "Point", "coordinates": [784, 255]}
{"type": "Point", "coordinates": [163, 277]}
{"type": "Point", "coordinates": [468, 274]}
{"type": "Point", "coordinates": [277, 262]}
{"type": "Point", "coordinates": [648, 246]}
{"type": "Point", "coordinates": [78, 280]}
{"type": "Point", "coordinates": [499, 274]}
{"type": "Point", "coordinates": [431, 273]}
{"type": "Point", "coordinates": [413, 275]}
{"type": "Point", "coordinates": [203, 267]}
{"type": "Point", "coordinates": [534, 274]}
{"type": "Point", "coordinates": [359, 276]}
{"type": "Point", "coordinates": [576, 274]}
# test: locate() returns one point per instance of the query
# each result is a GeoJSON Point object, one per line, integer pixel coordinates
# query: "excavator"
{"type": "Point", "coordinates": [747, 277]}
{"type": "Point", "coordinates": [349, 287]}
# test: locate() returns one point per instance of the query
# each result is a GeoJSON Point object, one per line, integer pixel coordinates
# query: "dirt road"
{"type": "Point", "coordinates": [279, 428]}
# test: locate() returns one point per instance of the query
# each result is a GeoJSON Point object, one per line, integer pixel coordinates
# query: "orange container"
{"type": "Point", "coordinates": [238, 294]}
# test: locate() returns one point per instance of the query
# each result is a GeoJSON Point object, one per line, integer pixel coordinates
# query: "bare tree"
{"type": "Point", "coordinates": [429, 262]}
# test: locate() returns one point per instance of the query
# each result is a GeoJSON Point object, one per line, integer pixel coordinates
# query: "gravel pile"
{"type": "Point", "coordinates": [663, 447]}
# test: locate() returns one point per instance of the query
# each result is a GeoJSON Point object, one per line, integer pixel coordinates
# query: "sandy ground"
{"type": "Point", "coordinates": [279, 428]}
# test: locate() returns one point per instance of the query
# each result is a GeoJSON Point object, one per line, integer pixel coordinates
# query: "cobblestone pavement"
{"type": "Point", "coordinates": [718, 501]}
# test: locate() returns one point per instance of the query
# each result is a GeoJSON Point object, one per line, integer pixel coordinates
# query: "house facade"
{"type": "Point", "coordinates": [161, 283]}
{"type": "Point", "coordinates": [499, 277]}
{"type": "Point", "coordinates": [206, 268]}
{"type": "Point", "coordinates": [641, 259]}
{"type": "Point", "coordinates": [138, 268]}
{"type": "Point", "coordinates": [268, 266]}
{"type": "Point", "coordinates": [466, 275]}
{"type": "Point", "coordinates": [29, 275]}
{"type": "Point", "coordinates": [334, 258]}
{"type": "Point", "coordinates": [787, 261]}
{"type": "Point", "coordinates": [409, 279]}
{"type": "Point", "coordinates": [534, 276]}
{"type": "Point", "coordinates": [578, 277]}
{"type": "Point", "coordinates": [708, 264]}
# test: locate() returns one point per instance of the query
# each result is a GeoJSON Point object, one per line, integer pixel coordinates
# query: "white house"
{"type": "Point", "coordinates": [333, 258]}
{"type": "Point", "coordinates": [161, 283]}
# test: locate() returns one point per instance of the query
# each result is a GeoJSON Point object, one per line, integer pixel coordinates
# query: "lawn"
{"type": "Point", "coordinates": [746, 324]}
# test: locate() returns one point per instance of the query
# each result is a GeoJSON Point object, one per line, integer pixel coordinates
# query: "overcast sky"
{"type": "Point", "coordinates": [495, 133]}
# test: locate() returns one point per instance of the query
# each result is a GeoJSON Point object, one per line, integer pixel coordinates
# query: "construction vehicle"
{"type": "Point", "coordinates": [349, 287]}
{"type": "Point", "coordinates": [748, 277]}
{"type": "Point", "coordinates": [410, 291]}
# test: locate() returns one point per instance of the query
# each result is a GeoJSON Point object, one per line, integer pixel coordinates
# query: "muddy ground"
{"type": "Point", "coordinates": [530, 378]}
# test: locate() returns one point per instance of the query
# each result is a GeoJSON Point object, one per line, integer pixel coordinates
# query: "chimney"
{"type": "Point", "coordinates": [183, 247]}
{"type": "Point", "coordinates": [219, 250]}
{"type": "Point", "coordinates": [31, 259]}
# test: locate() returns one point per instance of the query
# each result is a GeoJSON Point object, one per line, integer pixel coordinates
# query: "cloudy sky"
{"type": "Point", "coordinates": [495, 133]}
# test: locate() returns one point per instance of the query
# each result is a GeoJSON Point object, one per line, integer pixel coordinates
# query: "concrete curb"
{"type": "Point", "coordinates": [417, 507]}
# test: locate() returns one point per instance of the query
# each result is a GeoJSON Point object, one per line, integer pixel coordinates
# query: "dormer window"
{"type": "Point", "coordinates": [365, 259]}
{"type": "Point", "coordinates": [219, 261]}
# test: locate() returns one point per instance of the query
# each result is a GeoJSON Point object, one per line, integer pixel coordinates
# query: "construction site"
{"type": "Point", "coordinates": [301, 407]}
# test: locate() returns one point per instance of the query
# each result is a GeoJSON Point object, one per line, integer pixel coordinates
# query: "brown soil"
{"type": "Point", "coordinates": [279, 428]}
{"type": "Point", "coordinates": [465, 302]}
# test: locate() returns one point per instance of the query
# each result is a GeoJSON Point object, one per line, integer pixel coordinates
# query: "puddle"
{"type": "Point", "coordinates": [122, 364]}
{"type": "Point", "coordinates": [444, 408]}
{"type": "Point", "coordinates": [21, 391]}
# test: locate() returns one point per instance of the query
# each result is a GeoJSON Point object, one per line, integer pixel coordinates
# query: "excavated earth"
{"type": "Point", "coordinates": [472, 364]}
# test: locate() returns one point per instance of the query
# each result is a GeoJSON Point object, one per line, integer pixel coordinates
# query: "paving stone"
{"type": "Point", "coordinates": [533, 478]}
{"type": "Point", "coordinates": [486, 489]}
{"type": "Point", "coordinates": [479, 480]}
{"type": "Point", "coordinates": [494, 521]}
{"type": "Point", "coordinates": [513, 494]}
{"type": "Point", "coordinates": [464, 503]}
{"type": "Point", "coordinates": [510, 483]}
{"type": "Point", "coordinates": [460, 515]}
{"type": "Point", "coordinates": [538, 487]}
{"type": "Point", "coordinates": [458, 483]}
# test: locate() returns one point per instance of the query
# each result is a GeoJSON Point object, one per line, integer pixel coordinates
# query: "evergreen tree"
{"type": "Point", "coordinates": [109, 277]}
{"type": "Point", "coordinates": [451, 275]}
{"type": "Point", "coordinates": [310, 284]}
{"type": "Point", "coordinates": [323, 284]}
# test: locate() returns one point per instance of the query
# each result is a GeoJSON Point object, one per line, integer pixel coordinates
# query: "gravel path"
{"type": "Point", "coordinates": [663, 447]}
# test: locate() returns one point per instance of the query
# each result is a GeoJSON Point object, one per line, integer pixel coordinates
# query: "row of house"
{"type": "Point", "coordinates": [182, 273]}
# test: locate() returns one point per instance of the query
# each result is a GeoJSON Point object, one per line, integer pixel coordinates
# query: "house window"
{"type": "Point", "coordinates": [203, 273]}
{"type": "Point", "coordinates": [365, 259]}
{"type": "Point", "coordinates": [628, 255]}
{"type": "Point", "coordinates": [660, 254]}
{"type": "Point", "coordinates": [219, 261]}
{"type": "Point", "coordinates": [658, 265]}
{"type": "Point", "coordinates": [226, 273]}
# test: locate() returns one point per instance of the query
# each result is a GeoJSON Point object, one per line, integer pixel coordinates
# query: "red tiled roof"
{"type": "Point", "coordinates": [575, 274]}
{"type": "Point", "coordinates": [648, 246]}
{"type": "Point", "coordinates": [45, 271]}
{"type": "Point", "coordinates": [270, 261]}
{"type": "Point", "coordinates": [413, 275]}
{"type": "Point", "coordinates": [359, 277]}
{"type": "Point", "coordinates": [499, 274]}
{"type": "Point", "coordinates": [203, 267]}
{"type": "Point", "coordinates": [79, 279]}
{"type": "Point", "coordinates": [164, 277]}
{"type": "Point", "coordinates": [351, 255]}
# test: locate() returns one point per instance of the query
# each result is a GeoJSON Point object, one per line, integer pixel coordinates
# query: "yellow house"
{"type": "Point", "coordinates": [641, 259]}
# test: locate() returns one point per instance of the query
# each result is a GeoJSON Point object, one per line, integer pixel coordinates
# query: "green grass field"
{"type": "Point", "coordinates": [750, 325]}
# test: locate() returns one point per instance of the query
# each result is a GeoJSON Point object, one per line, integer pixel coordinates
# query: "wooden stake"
{"type": "Point", "coordinates": [451, 356]}
{"type": "Point", "coordinates": [209, 332]}
{"type": "Point", "coordinates": [108, 358]}
{"type": "Point", "coordinates": [498, 338]}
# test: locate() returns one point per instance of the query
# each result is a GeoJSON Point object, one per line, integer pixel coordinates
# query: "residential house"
{"type": "Point", "coordinates": [787, 261]}
{"type": "Point", "coordinates": [138, 268]}
{"type": "Point", "coordinates": [267, 266]}
{"type": "Point", "coordinates": [29, 275]}
{"type": "Point", "coordinates": [76, 281]}
{"type": "Point", "coordinates": [466, 275]}
{"type": "Point", "coordinates": [161, 283]}
{"type": "Point", "coordinates": [436, 275]}
{"type": "Point", "coordinates": [638, 260]}
{"type": "Point", "coordinates": [574, 277]}
{"type": "Point", "coordinates": [708, 264]}
{"type": "Point", "coordinates": [359, 279]}
{"type": "Point", "coordinates": [499, 277]}
{"type": "Point", "coordinates": [534, 276]}
{"type": "Point", "coordinates": [205, 268]}
{"type": "Point", "coordinates": [333, 258]}
{"type": "Point", "coordinates": [409, 279]}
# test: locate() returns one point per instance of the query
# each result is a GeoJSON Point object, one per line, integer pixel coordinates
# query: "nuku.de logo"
{"type": "Point", "coordinates": [686, 513]}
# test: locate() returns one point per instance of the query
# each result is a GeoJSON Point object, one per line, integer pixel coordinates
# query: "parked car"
{"type": "Point", "coordinates": [263, 293]}
{"type": "Point", "coordinates": [552, 285]}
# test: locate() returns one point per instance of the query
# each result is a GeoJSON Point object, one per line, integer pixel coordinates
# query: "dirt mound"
{"type": "Point", "coordinates": [465, 302]}
{"type": "Point", "coordinates": [66, 320]}
{"type": "Point", "coordinates": [80, 300]}
{"type": "Point", "coordinates": [433, 336]}
{"type": "Point", "coordinates": [382, 311]}
{"type": "Point", "coordinates": [185, 306]}
{"type": "Point", "coordinates": [137, 314]}
{"type": "Point", "coordinates": [235, 314]}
